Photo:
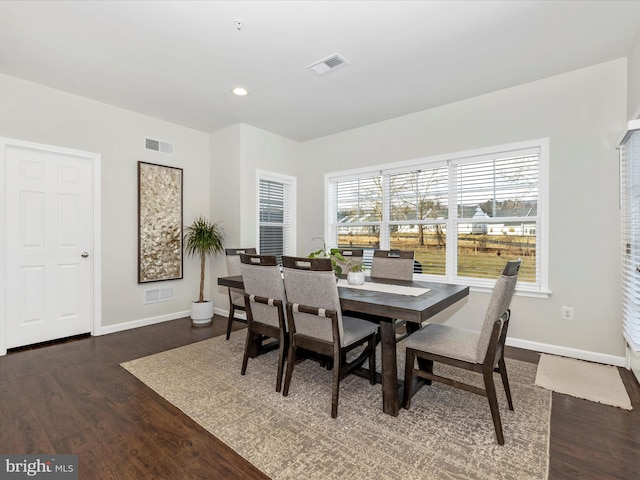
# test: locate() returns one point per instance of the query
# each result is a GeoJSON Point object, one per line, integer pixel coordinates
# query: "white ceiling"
{"type": "Point", "coordinates": [179, 60]}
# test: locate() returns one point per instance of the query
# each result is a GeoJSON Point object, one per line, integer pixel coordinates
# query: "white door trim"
{"type": "Point", "coordinates": [96, 250]}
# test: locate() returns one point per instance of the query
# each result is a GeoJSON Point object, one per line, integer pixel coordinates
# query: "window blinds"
{"type": "Point", "coordinates": [461, 216]}
{"type": "Point", "coordinates": [275, 213]}
{"type": "Point", "coordinates": [630, 210]}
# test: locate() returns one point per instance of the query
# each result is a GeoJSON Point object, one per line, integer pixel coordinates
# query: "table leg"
{"type": "Point", "coordinates": [390, 400]}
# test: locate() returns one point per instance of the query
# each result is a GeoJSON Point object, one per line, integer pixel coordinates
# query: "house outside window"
{"type": "Point", "coordinates": [464, 215]}
{"type": "Point", "coordinates": [276, 214]}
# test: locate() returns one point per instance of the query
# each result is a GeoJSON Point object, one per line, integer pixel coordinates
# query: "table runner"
{"type": "Point", "coordinates": [385, 288]}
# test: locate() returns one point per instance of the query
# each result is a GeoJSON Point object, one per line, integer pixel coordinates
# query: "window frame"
{"type": "Point", "coordinates": [289, 220]}
{"type": "Point", "coordinates": [540, 288]}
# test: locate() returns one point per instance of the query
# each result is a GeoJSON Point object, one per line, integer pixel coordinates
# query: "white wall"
{"type": "Point", "coordinates": [582, 113]}
{"type": "Point", "coordinates": [43, 115]}
{"type": "Point", "coordinates": [242, 150]}
{"type": "Point", "coordinates": [633, 81]}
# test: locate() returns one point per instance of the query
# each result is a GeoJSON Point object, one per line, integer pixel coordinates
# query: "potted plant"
{"type": "Point", "coordinates": [334, 254]}
{"type": "Point", "coordinates": [355, 271]}
{"type": "Point", "coordinates": [203, 238]}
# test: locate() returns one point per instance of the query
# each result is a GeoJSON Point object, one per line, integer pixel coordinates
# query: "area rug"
{"type": "Point", "coordinates": [447, 434]}
{"type": "Point", "coordinates": [587, 380]}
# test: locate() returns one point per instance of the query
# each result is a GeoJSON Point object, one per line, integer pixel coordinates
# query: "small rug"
{"type": "Point", "coordinates": [587, 380]}
{"type": "Point", "coordinates": [447, 434]}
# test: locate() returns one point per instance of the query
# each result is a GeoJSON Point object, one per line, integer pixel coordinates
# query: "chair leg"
{"type": "Point", "coordinates": [408, 377]}
{"type": "Point", "coordinates": [336, 387]}
{"type": "Point", "coordinates": [232, 312]}
{"type": "Point", "coordinates": [505, 381]}
{"type": "Point", "coordinates": [290, 361]}
{"type": "Point", "coordinates": [490, 388]}
{"type": "Point", "coordinates": [372, 360]}
{"type": "Point", "coordinates": [247, 347]}
{"type": "Point", "coordinates": [282, 352]}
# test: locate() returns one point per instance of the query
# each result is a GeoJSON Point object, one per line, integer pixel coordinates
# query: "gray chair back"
{"type": "Point", "coordinates": [351, 256]}
{"type": "Point", "coordinates": [262, 278]}
{"type": "Point", "coordinates": [232, 257]}
{"type": "Point", "coordinates": [498, 306]}
{"type": "Point", "coordinates": [311, 282]}
{"type": "Point", "coordinates": [392, 264]}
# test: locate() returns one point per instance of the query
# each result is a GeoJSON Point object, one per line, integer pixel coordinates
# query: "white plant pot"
{"type": "Point", "coordinates": [355, 278]}
{"type": "Point", "coordinates": [201, 313]}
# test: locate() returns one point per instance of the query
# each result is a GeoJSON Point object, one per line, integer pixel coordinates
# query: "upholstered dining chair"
{"type": "Point", "coordinates": [351, 256]}
{"type": "Point", "coordinates": [316, 322]}
{"type": "Point", "coordinates": [481, 352]}
{"type": "Point", "coordinates": [236, 295]}
{"type": "Point", "coordinates": [265, 301]}
{"type": "Point", "coordinates": [394, 265]}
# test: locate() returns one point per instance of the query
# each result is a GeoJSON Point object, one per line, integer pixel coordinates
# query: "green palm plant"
{"type": "Point", "coordinates": [203, 238]}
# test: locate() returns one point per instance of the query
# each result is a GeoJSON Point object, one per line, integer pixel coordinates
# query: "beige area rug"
{"type": "Point", "coordinates": [447, 434]}
{"type": "Point", "coordinates": [587, 380]}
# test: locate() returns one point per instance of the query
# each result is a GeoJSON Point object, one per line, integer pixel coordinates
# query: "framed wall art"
{"type": "Point", "coordinates": [159, 223]}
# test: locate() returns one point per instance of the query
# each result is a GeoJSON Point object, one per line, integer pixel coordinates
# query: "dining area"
{"type": "Point", "coordinates": [308, 311]}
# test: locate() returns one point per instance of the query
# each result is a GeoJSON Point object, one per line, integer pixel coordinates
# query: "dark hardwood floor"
{"type": "Point", "coordinates": [73, 397]}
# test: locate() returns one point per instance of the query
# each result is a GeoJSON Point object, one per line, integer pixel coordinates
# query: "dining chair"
{"type": "Point", "coordinates": [265, 301]}
{"type": "Point", "coordinates": [394, 265]}
{"type": "Point", "coordinates": [481, 352]}
{"type": "Point", "coordinates": [351, 256]}
{"type": "Point", "coordinates": [236, 295]}
{"type": "Point", "coordinates": [316, 322]}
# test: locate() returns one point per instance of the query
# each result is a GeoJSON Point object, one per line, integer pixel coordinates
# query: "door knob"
{"type": "Point", "coordinates": [84, 254]}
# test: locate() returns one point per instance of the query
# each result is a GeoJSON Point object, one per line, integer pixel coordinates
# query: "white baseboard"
{"type": "Point", "coordinates": [225, 313]}
{"type": "Point", "coordinates": [143, 322]}
{"type": "Point", "coordinates": [606, 359]}
{"type": "Point", "coordinates": [568, 352]}
{"type": "Point", "coordinates": [543, 348]}
{"type": "Point", "coordinates": [633, 362]}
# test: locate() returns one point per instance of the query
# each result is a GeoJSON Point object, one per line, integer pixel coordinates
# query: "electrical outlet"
{"type": "Point", "coordinates": [567, 313]}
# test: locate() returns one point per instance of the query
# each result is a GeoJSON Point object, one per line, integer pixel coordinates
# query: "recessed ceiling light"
{"type": "Point", "coordinates": [239, 91]}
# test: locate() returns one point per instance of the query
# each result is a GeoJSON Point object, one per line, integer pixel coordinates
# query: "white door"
{"type": "Point", "coordinates": [47, 245]}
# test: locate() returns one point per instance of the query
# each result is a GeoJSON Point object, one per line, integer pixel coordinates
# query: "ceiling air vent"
{"type": "Point", "coordinates": [329, 64]}
{"type": "Point", "coordinates": [158, 146]}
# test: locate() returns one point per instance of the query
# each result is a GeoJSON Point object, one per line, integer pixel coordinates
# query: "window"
{"type": "Point", "coordinates": [630, 211]}
{"type": "Point", "coordinates": [276, 218]}
{"type": "Point", "coordinates": [464, 215]}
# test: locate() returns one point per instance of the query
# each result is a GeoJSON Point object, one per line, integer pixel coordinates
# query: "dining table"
{"type": "Point", "coordinates": [385, 301]}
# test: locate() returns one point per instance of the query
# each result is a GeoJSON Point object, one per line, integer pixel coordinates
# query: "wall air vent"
{"type": "Point", "coordinates": [329, 64]}
{"type": "Point", "coordinates": [158, 295]}
{"type": "Point", "coordinates": [158, 146]}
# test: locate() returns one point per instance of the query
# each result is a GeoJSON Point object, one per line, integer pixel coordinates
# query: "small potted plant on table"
{"type": "Point", "coordinates": [355, 271]}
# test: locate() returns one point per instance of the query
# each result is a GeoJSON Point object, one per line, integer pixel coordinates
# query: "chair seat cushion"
{"type": "Point", "coordinates": [445, 341]}
{"type": "Point", "coordinates": [356, 329]}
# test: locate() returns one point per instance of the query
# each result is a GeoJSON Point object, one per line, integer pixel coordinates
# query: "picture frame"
{"type": "Point", "coordinates": [160, 222]}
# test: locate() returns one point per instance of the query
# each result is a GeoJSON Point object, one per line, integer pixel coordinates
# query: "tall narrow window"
{"type": "Point", "coordinates": [630, 194]}
{"type": "Point", "coordinates": [276, 207]}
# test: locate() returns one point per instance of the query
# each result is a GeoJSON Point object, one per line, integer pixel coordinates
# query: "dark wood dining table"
{"type": "Point", "coordinates": [384, 308]}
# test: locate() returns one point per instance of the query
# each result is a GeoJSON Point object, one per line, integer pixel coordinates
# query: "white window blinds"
{"type": "Point", "coordinates": [463, 216]}
{"type": "Point", "coordinates": [630, 210]}
{"type": "Point", "coordinates": [276, 207]}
